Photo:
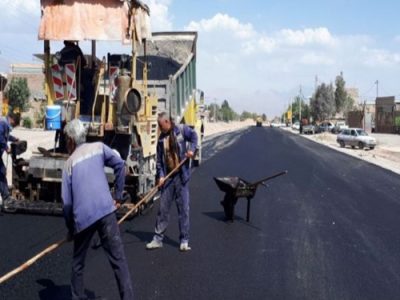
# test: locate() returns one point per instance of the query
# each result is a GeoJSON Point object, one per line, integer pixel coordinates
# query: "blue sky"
{"type": "Point", "coordinates": [256, 54]}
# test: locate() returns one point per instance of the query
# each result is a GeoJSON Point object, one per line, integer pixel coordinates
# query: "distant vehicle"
{"type": "Point", "coordinates": [274, 124]}
{"type": "Point", "coordinates": [259, 122]}
{"type": "Point", "coordinates": [355, 137]}
{"type": "Point", "coordinates": [325, 127]}
{"type": "Point", "coordinates": [339, 126]}
{"type": "Point", "coordinates": [296, 125]}
{"type": "Point", "coordinates": [308, 129]}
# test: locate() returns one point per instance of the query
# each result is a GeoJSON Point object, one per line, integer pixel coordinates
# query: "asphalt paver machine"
{"type": "Point", "coordinates": [105, 94]}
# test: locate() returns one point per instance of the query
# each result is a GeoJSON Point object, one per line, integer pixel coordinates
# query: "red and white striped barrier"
{"type": "Point", "coordinates": [57, 81]}
{"type": "Point", "coordinates": [70, 73]}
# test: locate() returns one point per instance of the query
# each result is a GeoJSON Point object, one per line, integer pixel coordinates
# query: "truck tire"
{"type": "Point", "coordinates": [361, 145]}
{"type": "Point", "coordinates": [342, 144]}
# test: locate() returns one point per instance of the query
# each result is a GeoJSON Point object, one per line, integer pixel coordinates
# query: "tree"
{"type": "Point", "coordinates": [305, 109]}
{"type": "Point", "coordinates": [344, 102]}
{"type": "Point", "coordinates": [349, 105]}
{"type": "Point", "coordinates": [18, 94]}
{"type": "Point", "coordinates": [264, 117]}
{"type": "Point", "coordinates": [246, 115]}
{"type": "Point", "coordinates": [340, 93]}
{"type": "Point", "coordinates": [226, 112]}
{"type": "Point", "coordinates": [214, 111]}
{"type": "Point", "coordinates": [322, 103]}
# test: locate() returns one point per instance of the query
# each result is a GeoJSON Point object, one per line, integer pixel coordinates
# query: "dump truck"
{"type": "Point", "coordinates": [117, 97]}
{"type": "Point", "coordinates": [259, 122]}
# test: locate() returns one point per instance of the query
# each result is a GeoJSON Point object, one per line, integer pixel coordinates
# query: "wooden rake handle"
{"type": "Point", "coordinates": [152, 192]}
{"type": "Point", "coordinates": [31, 261]}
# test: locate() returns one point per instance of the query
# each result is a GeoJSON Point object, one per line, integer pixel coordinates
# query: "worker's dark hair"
{"type": "Point", "coordinates": [15, 116]}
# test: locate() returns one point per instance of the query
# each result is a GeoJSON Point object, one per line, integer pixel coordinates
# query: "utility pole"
{"type": "Point", "coordinates": [364, 114]}
{"type": "Point", "coordinates": [377, 88]}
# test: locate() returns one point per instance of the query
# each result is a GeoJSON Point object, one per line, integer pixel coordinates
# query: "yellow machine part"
{"type": "Point", "coordinates": [190, 114]}
{"type": "Point", "coordinates": [147, 125]}
{"type": "Point", "coordinates": [4, 111]}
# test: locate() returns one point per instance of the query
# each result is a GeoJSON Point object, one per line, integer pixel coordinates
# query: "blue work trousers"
{"type": "Point", "coordinates": [174, 191]}
{"type": "Point", "coordinates": [108, 230]}
{"type": "Point", "coordinates": [3, 181]}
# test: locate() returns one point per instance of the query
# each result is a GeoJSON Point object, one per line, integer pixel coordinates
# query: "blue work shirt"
{"type": "Point", "coordinates": [85, 191]}
{"type": "Point", "coordinates": [187, 140]}
{"type": "Point", "coordinates": [5, 136]}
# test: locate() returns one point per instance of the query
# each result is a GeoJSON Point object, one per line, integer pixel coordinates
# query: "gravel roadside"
{"type": "Point", "coordinates": [386, 153]}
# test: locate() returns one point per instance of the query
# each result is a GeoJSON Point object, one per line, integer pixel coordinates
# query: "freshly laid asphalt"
{"type": "Point", "coordinates": [329, 229]}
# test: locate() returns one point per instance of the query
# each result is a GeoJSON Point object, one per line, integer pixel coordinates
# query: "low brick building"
{"type": "Point", "coordinates": [34, 75]}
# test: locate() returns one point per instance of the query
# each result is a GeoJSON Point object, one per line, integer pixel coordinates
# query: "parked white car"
{"type": "Point", "coordinates": [355, 137]}
{"type": "Point", "coordinates": [296, 125]}
{"type": "Point", "coordinates": [309, 129]}
{"type": "Point", "coordinates": [274, 124]}
{"type": "Point", "coordinates": [339, 126]}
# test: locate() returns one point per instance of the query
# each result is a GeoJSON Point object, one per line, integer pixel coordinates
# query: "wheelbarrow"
{"type": "Point", "coordinates": [235, 188]}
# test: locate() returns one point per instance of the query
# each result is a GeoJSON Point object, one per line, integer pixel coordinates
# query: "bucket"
{"type": "Point", "coordinates": [53, 117]}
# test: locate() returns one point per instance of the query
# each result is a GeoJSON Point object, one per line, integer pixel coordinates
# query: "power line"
{"type": "Point", "coordinates": [365, 93]}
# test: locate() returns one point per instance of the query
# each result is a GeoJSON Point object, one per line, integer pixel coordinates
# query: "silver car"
{"type": "Point", "coordinates": [308, 129]}
{"type": "Point", "coordinates": [355, 137]}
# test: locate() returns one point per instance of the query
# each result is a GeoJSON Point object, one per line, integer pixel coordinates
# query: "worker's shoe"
{"type": "Point", "coordinates": [9, 205]}
{"type": "Point", "coordinates": [184, 247]}
{"type": "Point", "coordinates": [154, 244]}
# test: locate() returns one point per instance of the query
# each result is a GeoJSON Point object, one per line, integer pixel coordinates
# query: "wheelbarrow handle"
{"type": "Point", "coordinates": [269, 178]}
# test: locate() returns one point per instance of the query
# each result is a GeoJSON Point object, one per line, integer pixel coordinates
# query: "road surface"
{"type": "Point", "coordinates": [327, 230]}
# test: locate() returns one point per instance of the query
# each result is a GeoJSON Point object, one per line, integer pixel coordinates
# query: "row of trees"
{"type": "Point", "coordinates": [226, 113]}
{"type": "Point", "coordinates": [327, 101]}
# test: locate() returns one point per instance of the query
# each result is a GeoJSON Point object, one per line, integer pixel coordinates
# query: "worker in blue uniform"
{"type": "Point", "coordinates": [89, 207]}
{"type": "Point", "coordinates": [175, 143]}
{"type": "Point", "coordinates": [6, 125]}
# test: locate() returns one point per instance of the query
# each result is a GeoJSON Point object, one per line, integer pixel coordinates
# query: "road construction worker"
{"type": "Point", "coordinates": [70, 54]}
{"type": "Point", "coordinates": [90, 208]}
{"type": "Point", "coordinates": [172, 148]}
{"type": "Point", "coordinates": [6, 125]}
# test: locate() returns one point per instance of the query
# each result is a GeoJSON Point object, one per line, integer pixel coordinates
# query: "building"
{"type": "Point", "coordinates": [34, 75]}
{"type": "Point", "coordinates": [386, 114]}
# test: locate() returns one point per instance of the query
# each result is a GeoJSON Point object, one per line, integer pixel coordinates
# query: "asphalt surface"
{"type": "Point", "coordinates": [327, 230]}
